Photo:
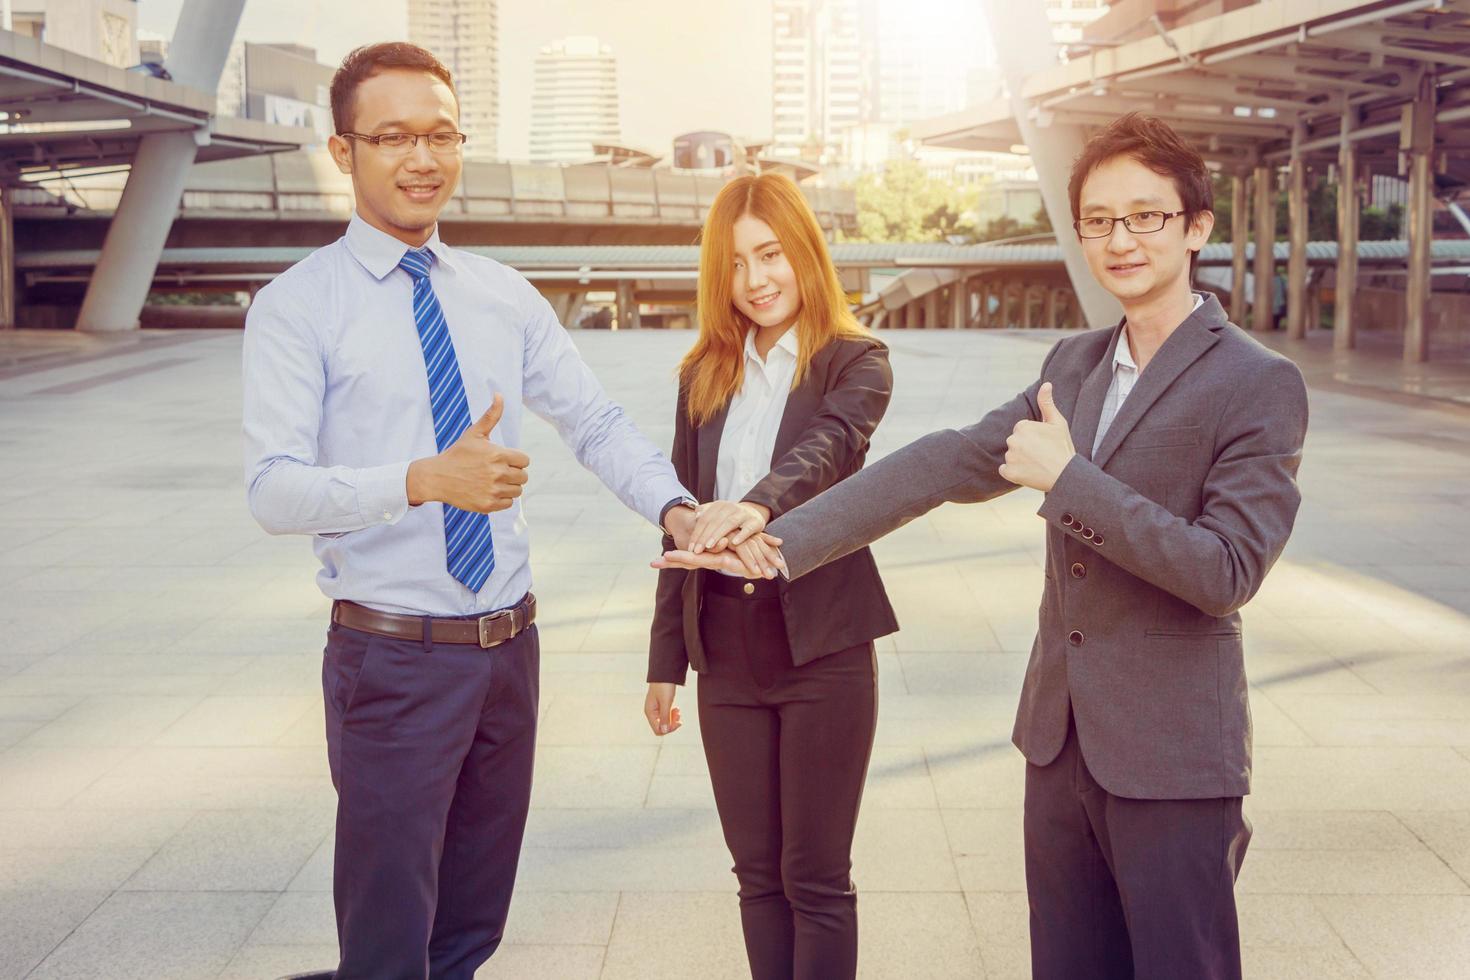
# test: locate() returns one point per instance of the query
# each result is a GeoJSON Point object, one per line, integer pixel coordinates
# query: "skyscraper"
{"type": "Point", "coordinates": [463, 35]}
{"type": "Point", "coordinates": [823, 74]}
{"type": "Point", "coordinates": [574, 100]}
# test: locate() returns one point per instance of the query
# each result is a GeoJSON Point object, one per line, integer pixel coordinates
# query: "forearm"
{"type": "Point", "coordinates": [610, 446]}
{"type": "Point", "coordinates": [1216, 563]}
{"type": "Point", "coordinates": [288, 496]}
{"type": "Point", "coordinates": [939, 468]}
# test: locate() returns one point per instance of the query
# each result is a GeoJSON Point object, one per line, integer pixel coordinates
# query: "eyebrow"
{"type": "Point", "coordinates": [399, 126]}
{"type": "Point", "coordinates": [765, 245]}
{"type": "Point", "coordinates": [1149, 203]}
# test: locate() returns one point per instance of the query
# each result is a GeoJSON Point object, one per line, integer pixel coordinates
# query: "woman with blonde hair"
{"type": "Point", "coordinates": [778, 399]}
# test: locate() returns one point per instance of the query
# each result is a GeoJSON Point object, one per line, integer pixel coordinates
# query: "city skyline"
{"type": "Point", "coordinates": [671, 80]}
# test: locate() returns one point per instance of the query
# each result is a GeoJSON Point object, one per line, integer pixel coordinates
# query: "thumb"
{"type": "Point", "coordinates": [487, 422]}
{"type": "Point", "coordinates": [1049, 412]}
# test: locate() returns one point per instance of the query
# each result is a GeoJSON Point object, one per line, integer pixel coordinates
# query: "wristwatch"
{"type": "Point", "coordinates": [685, 501]}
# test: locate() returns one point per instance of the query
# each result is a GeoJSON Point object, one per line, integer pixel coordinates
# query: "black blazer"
{"type": "Point", "coordinates": [823, 439]}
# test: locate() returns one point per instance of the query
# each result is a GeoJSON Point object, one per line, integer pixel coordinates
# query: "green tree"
{"type": "Point", "coordinates": [1374, 224]}
{"type": "Point", "coordinates": [904, 204]}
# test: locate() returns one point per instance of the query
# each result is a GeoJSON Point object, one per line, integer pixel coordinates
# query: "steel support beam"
{"type": "Point", "coordinates": [1349, 208]}
{"type": "Point", "coordinates": [628, 314]}
{"type": "Point", "coordinates": [1296, 265]}
{"type": "Point", "coordinates": [7, 260]}
{"type": "Point", "coordinates": [1264, 189]}
{"type": "Point", "coordinates": [1240, 223]}
{"type": "Point", "coordinates": [150, 199]}
{"type": "Point", "coordinates": [1418, 143]}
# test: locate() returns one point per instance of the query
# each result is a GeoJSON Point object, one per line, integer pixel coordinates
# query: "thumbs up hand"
{"type": "Point", "coordinates": [1037, 452]}
{"type": "Point", "coordinates": [473, 474]}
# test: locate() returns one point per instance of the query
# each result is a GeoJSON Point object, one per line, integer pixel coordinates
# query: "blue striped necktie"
{"type": "Point", "coordinates": [468, 546]}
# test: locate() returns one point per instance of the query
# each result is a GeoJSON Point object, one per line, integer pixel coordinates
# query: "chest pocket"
{"type": "Point", "coordinates": [1162, 437]}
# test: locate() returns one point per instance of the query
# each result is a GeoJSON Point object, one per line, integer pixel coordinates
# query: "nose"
{"type": "Point", "coordinates": [1121, 240]}
{"type": "Point", "coordinates": [421, 158]}
{"type": "Point", "coordinates": [755, 277]}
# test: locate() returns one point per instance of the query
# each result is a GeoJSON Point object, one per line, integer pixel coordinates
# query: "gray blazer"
{"type": "Point", "coordinates": [1153, 545]}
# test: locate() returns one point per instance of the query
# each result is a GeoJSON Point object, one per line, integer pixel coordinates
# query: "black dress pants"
{"type": "Point", "coordinates": [431, 747]}
{"type": "Point", "coordinates": [788, 751]}
{"type": "Point", "coordinates": [1122, 888]}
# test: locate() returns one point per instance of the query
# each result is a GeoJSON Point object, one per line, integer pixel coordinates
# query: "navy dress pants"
{"type": "Point", "coordinates": [1122, 888]}
{"type": "Point", "coordinates": [431, 747]}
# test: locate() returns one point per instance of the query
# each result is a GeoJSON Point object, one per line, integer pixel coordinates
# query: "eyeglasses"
{"type": "Point", "coordinates": [401, 144]}
{"type": "Point", "coordinates": [1140, 223]}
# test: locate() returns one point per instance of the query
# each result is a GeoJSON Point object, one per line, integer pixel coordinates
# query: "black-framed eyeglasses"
{"type": "Point", "coordinates": [401, 143]}
{"type": "Point", "coordinates": [1140, 223]}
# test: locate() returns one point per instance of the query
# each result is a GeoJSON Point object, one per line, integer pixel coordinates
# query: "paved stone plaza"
{"type": "Point", "coordinates": [165, 809]}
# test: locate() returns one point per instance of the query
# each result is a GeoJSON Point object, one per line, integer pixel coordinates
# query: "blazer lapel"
{"type": "Point", "coordinates": [1185, 345]}
{"type": "Point", "coordinates": [1088, 411]}
{"type": "Point", "coordinates": [708, 438]}
{"type": "Point", "coordinates": [802, 402]}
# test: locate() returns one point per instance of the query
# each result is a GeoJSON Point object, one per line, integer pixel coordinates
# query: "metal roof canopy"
{"type": "Point", "coordinates": [64, 111]}
{"type": "Point", "coordinates": [1238, 85]}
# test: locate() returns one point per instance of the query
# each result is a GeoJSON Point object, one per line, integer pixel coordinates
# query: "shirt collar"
{"type": "Point", "coordinates": [379, 252]}
{"type": "Point", "coordinates": [787, 343]}
{"type": "Point", "coordinates": [1123, 356]}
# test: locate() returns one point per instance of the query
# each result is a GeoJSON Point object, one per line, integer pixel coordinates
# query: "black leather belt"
{"type": "Point", "coordinates": [486, 631]}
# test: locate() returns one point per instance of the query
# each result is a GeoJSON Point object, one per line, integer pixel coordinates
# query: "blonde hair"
{"type": "Point", "coordinates": [714, 369]}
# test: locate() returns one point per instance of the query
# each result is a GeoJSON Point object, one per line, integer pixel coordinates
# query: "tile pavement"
{"type": "Point", "coordinates": [164, 805]}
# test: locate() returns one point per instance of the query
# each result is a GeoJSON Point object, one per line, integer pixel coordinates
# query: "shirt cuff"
{"type": "Point", "coordinates": [382, 494]}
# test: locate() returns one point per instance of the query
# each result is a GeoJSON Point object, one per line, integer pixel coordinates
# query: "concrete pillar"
{"type": "Point", "coordinates": [1344, 329]}
{"type": "Point", "coordinates": [1079, 320]}
{"type": "Point", "coordinates": [1264, 183]}
{"type": "Point", "coordinates": [1296, 265]}
{"type": "Point", "coordinates": [140, 225]}
{"type": "Point", "coordinates": [1240, 223]}
{"type": "Point", "coordinates": [1418, 141]}
{"type": "Point", "coordinates": [1026, 320]}
{"type": "Point", "coordinates": [1007, 319]}
{"type": "Point", "coordinates": [987, 291]}
{"type": "Point", "coordinates": [628, 318]}
{"type": "Point", "coordinates": [7, 261]}
{"type": "Point", "coordinates": [931, 308]}
{"type": "Point", "coordinates": [1030, 47]}
{"type": "Point", "coordinates": [1051, 308]}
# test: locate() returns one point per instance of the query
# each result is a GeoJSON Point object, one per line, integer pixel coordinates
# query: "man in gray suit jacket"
{"type": "Point", "coordinates": [1167, 448]}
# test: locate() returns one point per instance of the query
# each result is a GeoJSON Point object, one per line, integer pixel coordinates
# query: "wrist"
{"type": "Point", "coordinates": [420, 481]}
{"type": "Point", "coordinates": [761, 509]}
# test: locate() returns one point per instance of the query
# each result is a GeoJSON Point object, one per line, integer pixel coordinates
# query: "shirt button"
{"type": "Point", "coordinates": [387, 515]}
{"type": "Point", "coordinates": [1079, 570]}
{"type": "Point", "coordinates": [1075, 638]}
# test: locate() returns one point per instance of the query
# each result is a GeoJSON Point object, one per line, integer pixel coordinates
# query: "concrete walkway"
{"type": "Point", "coordinates": [165, 810]}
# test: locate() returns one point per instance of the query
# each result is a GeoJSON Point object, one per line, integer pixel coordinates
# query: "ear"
{"type": "Point", "coordinates": [1199, 230]}
{"type": "Point", "coordinates": [341, 151]}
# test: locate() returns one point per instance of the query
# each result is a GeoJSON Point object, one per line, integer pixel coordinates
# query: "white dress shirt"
{"type": "Point", "coordinates": [749, 437]}
{"type": "Point", "coordinates": [1125, 376]}
{"type": "Point", "coordinates": [337, 406]}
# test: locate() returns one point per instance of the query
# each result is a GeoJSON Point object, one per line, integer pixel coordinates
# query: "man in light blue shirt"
{"type": "Point", "coordinates": [384, 376]}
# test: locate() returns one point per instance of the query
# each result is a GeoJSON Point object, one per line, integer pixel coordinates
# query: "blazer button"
{"type": "Point", "coordinates": [750, 588]}
{"type": "Point", "coordinates": [1098, 540]}
{"type": "Point", "coordinates": [1079, 570]}
{"type": "Point", "coordinates": [1087, 534]}
{"type": "Point", "coordinates": [1067, 520]}
{"type": "Point", "coordinates": [1075, 638]}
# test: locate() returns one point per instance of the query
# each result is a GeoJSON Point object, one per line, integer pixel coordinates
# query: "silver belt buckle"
{"type": "Point", "coordinates": [484, 624]}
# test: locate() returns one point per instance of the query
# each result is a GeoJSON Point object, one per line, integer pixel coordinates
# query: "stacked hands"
{"type": "Point", "coordinates": [726, 536]}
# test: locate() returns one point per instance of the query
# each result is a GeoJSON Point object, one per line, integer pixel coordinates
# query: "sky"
{"type": "Point", "coordinates": [683, 65]}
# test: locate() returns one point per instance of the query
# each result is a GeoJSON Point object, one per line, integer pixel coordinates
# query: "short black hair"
{"type": "Point", "coordinates": [365, 62]}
